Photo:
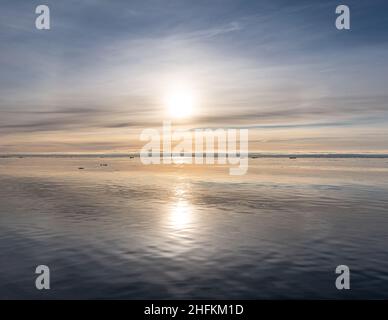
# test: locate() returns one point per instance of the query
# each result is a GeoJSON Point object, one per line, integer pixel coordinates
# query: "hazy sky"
{"type": "Point", "coordinates": [280, 68]}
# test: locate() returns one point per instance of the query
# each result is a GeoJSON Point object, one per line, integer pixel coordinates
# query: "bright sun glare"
{"type": "Point", "coordinates": [180, 103]}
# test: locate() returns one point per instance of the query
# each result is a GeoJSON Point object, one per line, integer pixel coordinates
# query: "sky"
{"type": "Point", "coordinates": [101, 74]}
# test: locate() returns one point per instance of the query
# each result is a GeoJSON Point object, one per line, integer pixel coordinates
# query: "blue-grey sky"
{"type": "Point", "coordinates": [280, 68]}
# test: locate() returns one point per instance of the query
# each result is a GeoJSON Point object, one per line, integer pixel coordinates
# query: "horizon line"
{"type": "Point", "coordinates": [254, 154]}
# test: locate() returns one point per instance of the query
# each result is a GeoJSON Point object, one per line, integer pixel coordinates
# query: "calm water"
{"type": "Point", "coordinates": [129, 231]}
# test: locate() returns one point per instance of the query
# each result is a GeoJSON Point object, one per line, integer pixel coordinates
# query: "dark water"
{"type": "Point", "coordinates": [129, 231]}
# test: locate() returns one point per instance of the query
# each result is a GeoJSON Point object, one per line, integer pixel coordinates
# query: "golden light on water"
{"type": "Point", "coordinates": [180, 215]}
{"type": "Point", "coordinates": [181, 211]}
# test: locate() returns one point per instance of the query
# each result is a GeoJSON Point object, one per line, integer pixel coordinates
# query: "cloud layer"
{"type": "Point", "coordinates": [282, 69]}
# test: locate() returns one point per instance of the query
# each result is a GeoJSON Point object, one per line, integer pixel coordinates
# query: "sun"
{"type": "Point", "coordinates": [180, 103]}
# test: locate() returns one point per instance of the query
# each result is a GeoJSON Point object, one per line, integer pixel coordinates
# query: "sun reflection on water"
{"type": "Point", "coordinates": [180, 215]}
{"type": "Point", "coordinates": [181, 211]}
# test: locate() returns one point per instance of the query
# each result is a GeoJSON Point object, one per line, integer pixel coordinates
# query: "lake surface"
{"type": "Point", "coordinates": [131, 231]}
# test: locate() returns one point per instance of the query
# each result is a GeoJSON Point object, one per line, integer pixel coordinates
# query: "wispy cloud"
{"type": "Point", "coordinates": [264, 65]}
